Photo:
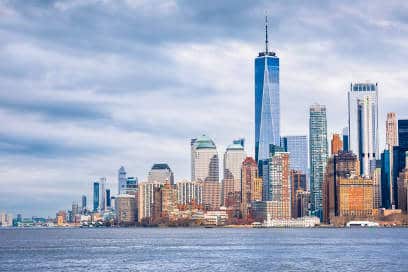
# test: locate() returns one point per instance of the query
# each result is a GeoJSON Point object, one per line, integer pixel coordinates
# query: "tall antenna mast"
{"type": "Point", "coordinates": [266, 34]}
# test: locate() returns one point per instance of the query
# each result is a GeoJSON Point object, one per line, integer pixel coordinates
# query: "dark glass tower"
{"type": "Point", "coordinates": [95, 196]}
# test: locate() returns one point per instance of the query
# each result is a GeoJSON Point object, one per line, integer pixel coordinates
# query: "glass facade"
{"type": "Point", "coordinates": [318, 155]}
{"type": "Point", "coordinates": [386, 185]}
{"type": "Point", "coordinates": [267, 104]}
{"type": "Point", "coordinates": [403, 133]}
{"type": "Point", "coordinates": [95, 196]}
{"type": "Point", "coordinates": [297, 148]}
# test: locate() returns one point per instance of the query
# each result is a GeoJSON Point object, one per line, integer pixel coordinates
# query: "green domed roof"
{"type": "Point", "coordinates": [235, 147]}
{"type": "Point", "coordinates": [204, 142]}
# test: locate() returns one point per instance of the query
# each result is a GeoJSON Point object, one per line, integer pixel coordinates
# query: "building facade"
{"type": "Point", "coordinates": [363, 124]}
{"type": "Point", "coordinates": [125, 209]}
{"type": "Point", "coordinates": [391, 130]}
{"type": "Point", "coordinates": [267, 101]}
{"type": "Point", "coordinates": [403, 133]}
{"type": "Point", "coordinates": [402, 182]}
{"type": "Point", "coordinates": [355, 196]}
{"type": "Point", "coordinates": [318, 156]}
{"type": "Point", "coordinates": [189, 193]}
{"type": "Point", "coordinates": [121, 180]}
{"type": "Point", "coordinates": [336, 144]}
{"type": "Point", "coordinates": [147, 199]}
{"type": "Point", "coordinates": [298, 183]}
{"type": "Point", "coordinates": [251, 185]}
{"type": "Point", "coordinates": [204, 160]}
{"type": "Point", "coordinates": [95, 196]}
{"type": "Point", "coordinates": [161, 172]}
{"type": "Point", "coordinates": [297, 147]}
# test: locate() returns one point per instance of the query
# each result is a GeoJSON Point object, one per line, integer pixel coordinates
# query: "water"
{"type": "Point", "coordinates": [198, 249]}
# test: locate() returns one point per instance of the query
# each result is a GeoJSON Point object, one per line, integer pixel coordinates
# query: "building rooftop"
{"type": "Point", "coordinates": [160, 166]}
{"type": "Point", "coordinates": [204, 142]}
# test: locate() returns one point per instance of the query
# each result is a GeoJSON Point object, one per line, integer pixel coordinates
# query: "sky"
{"type": "Point", "coordinates": [89, 85]}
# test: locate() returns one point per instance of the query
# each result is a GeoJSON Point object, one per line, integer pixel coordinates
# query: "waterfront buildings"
{"type": "Point", "coordinates": [377, 201]}
{"type": "Point", "coordinates": [233, 158]}
{"type": "Point", "coordinates": [336, 144]}
{"type": "Point", "coordinates": [318, 155]}
{"type": "Point", "coordinates": [204, 160]}
{"type": "Point", "coordinates": [211, 195]}
{"type": "Point", "coordinates": [161, 172]}
{"type": "Point", "coordinates": [121, 180]}
{"type": "Point", "coordinates": [189, 192]}
{"type": "Point", "coordinates": [147, 199]}
{"type": "Point", "coordinates": [126, 209]}
{"type": "Point", "coordinates": [298, 184]}
{"type": "Point", "coordinates": [355, 196]}
{"type": "Point", "coordinates": [251, 185]}
{"type": "Point", "coordinates": [267, 101]}
{"type": "Point", "coordinates": [402, 182]}
{"type": "Point", "coordinates": [391, 130]}
{"type": "Point", "coordinates": [363, 124]}
{"type": "Point", "coordinates": [297, 147]}
{"type": "Point", "coordinates": [302, 203]}
{"type": "Point", "coordinates": [6, 219]}
{"type": "Point", "coordinates": [95, 196]}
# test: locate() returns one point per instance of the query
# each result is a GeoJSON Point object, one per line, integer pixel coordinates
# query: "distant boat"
{"type": "Point", "coordinates": [362, 224]}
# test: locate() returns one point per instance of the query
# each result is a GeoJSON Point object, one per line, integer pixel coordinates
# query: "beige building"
{"type": "Point", "coordinates": [189, 192]}
{"type": "Point", "coordinates": [147, 198]}
{"type": "Point", "coordinates": [211, 195]}
{"type": "Point", "coordinates": [391, 129]}
{"type": "Point", "coordinates": [204, 160]}
{"type": "Point", "coordinates": [125, 209]}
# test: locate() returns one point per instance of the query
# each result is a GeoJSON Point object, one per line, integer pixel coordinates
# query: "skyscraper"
{"type": "Point", "coordinates": [297, 147]}
{"type": "Point", "coordinates": [161, 172]}
{"type": "Point", "coordinates": [95, 196]}
{"type": "Point", "coordinates": [121, 180]}
{"type": "Point", "coordinates": [147, 198]}
{"type": "Point", "coordinates": [318, 155]}
{"type": "Point", "coordinates": [391, 130]}
{"type": "Point", "coordinates": [403, 133]}
{"type": "Point", "coordinates": [233, 157]}
{"type": "Point", "coordinates": [267, 105]}
{"type": "Point", "coordinates": [204, 160]}
{"type": "Point", "coordinates": [131, 186]}
{"type": "Point", "coordinates": [83, 203]}
{"type": "Point", "coordinates": [336, 144]}
{"type": "Point", "coordinates": [251, 185]}
{"type": "Point", "coordinates": [363, 124]}
{"type": "Point", "coordinates": [345, 139]}
{"type": "Point", "coordinates": [102, 194]}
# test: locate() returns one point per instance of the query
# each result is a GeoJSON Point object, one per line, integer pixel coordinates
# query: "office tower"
{"type": "Point", "coordinates": [302, 203]}
{"type": "Point", "coordinates": [341, 165]}
{"type": "Point", "coordinates": [318, 155]}
{"type": "Point", "coordinates": [131, 186]}
{"type": "Point", "coordinates": [251, 185]}
{"type": "Point", "coordinates": [121, 180]}
{"type": "Point", "coordinates": [267, 104]}
{"type": "Point", "coordinates": [75, 208]}
{"type": "Point", "coordinates": [391, 130]}
{"type": "Point", "coordinates": [146, 198]}
{"type": "Point", "coordinates": [204, 160]}
{"type": "Point", "coordinates": [161, 172]}
{"type": "Point", "coordinates": [297, 147]}
{"type": "Point", "coordinates": [345, 139]}
{"type": "Point", "coordinates": [402, 182]}
{"type": "Point", "coordinates": [377, 202]}
{"type": "Point", "coordinates": [125, 207]}
{"type": "Point", "coordinates": [403, 133]}
{"type": "Point", "coordinates": [279, 194]}
{"type": "Point", "coordinates": [102, 194]}
{"type": "Point", "coordinates": [95, 196]}
{"type": "Point", "coordinates": [233, 158]}
{"type": "Point", "coordinates": [211, 195]}
{"type": "Point", "coordinates": [189, 192]}
{"type": "Point", "coordinates": [363, 124]}
{"type": "Point", "coordinates": [355, 196]}
{"type": "Point", "coordinates": [263, 171]}
{"type": "Point", "coordinates": [298, 183]}
{"type": "Point", "coordinates": [336, 144]}
{"type": "Point", "coordinates": [387, 194]}
{"type": "Point", "coordinates": [108, 198]}
{"type": "Point", "coordinates": [84, 203]}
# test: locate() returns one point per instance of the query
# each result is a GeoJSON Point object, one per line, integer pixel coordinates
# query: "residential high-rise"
{"type": "Point", "coordinates": [341, 165]}
{"type": "Point", "coordinates": [391, 130]}
{"type": "Point", "coordinates": [147, 199]}
{"type": "Point", "coordinates": [251, 185]}
{"type": "Point", "coordinates": [403, 133]}
{"type": "Point", "coordinates": [204, 160]}
{"type": "Point", "coordinates": [363, 124]}
{"type": "Point", "coordinates": [336, 144]}
{"type": "Point", "coordinates": [211, 195]}
{"type": "Point", "coordinates": [189, 192]}
{"type": "Point", "coordinates": [345, 139]}
{"type": "Point", "coordinates": [297, 147]}
{"type": "Point", "coordinates": [233, 158]}
{"type": "Point", "coordinates": [121, 180]}
{"type": "Point", "coordinates": [267, 104]}
{"type": "Point", "coordinates": [318, 155]}
{"type": "Point", "coordinates": [161, 172]}
{"type": "Point", "coordinates": [279, 193]}
{"type": "Point", "coordinates": [95, 196]}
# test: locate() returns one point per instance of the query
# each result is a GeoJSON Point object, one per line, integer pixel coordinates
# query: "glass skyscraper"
{"type": "Point", "coordinates": [297, 148]}
{"type": "Point", "coordinates": [363, 124]}
{"type": "Point", "coordinates": [95, 196]}
{"type": "Point", "coordinates": [267, 105]}
{"type": "Point", "coordinates": [318, 156]}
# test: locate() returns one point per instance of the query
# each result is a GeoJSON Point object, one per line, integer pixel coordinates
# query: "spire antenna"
{"type": "Point", "coordinates": [266, 34]}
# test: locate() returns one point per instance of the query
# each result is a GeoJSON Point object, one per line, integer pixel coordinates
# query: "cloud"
{"type": "Point", "coordinates": [87, 86]}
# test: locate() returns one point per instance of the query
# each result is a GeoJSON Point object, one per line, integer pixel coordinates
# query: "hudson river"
{"type": "Point", "coordinates": [199, 249]}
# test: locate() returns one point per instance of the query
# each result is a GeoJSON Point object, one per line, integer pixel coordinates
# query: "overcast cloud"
{"type": "Point", "coordinates": [89, 85]}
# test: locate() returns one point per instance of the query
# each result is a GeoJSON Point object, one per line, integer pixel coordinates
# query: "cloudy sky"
{"type": "Point", "coordinates": [89, 85]}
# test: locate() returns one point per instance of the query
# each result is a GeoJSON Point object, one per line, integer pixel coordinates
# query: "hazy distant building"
{"type": "Point", "coordinates": [204, 160]}
{"type": "Point", "coordinates": [121, 180]}
{"type": "Point", "coordinates": [125, 209]}
{"type": "Point", "coordinates": [95, 196]}
{"type": "Point", "coordinates": [131, 185]}
{"type": "Point", "coordinates": [83, 202]}
{"type": "Point", "coordinates": [363, 124]}
{"type": "Point", "coordinates": [391, 130]}
{"type": "Point", "coordinates": [318, 155]}
{"type": "Point", "coordinates": [102, 194]}
{"type": "Point", "coordinates": [233, 158]}
{"type": "Point", "coordinates": [267, 102]}
{"type": "Point", "coordinates": [161, 172]}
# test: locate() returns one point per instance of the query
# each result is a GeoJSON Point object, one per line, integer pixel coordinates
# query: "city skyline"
{"type": "Point", "coordinates": [75, 112]}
